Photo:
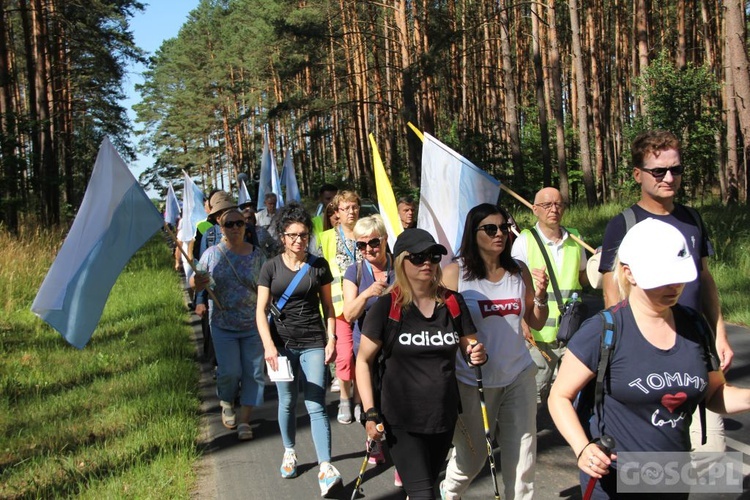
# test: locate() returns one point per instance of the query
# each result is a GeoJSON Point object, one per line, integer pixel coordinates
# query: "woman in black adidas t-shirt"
{"type": "Point", "coordinates": [419, 394]}
{"type": "Point", "coordinates": [663, 364]}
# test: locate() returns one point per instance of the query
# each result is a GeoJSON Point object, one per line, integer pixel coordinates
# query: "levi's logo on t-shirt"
{"type": "Point", "coordinates": [500, 307]}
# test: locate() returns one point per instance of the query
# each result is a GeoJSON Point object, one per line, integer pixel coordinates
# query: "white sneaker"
{"type": "Point", "coordinates": [289, 465]}
{"type": "Point", "coordinates": [328, 478]}
{"type": "Point", "coordinates": [228, 417]}
{"type": "Point", "coordinates": [335, 385]}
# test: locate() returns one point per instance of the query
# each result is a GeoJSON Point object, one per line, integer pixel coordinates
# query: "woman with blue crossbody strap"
{"type": "Point", "coordinates": [292, 287]}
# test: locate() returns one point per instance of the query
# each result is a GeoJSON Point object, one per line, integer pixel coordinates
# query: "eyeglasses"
{"type": "Point", "coordinates": [492, 229]}
{"type": "Point", "coordinates": [420, 258]}
{"type": "Point", "coordinates": [297, 236]}
{"type": "Point", "coordinates": [234, 223]}
{"type": "Point", "coordinates": [548, 205]}
{"type": "Point", "coordinates": [352, 209]}
{"type": "Point", "coordinates": [660, 172]}
{"type": "Point", "coordinates": [373, 243]}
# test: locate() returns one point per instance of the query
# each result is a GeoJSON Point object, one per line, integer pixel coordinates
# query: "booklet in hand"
{"type": "Point", "coordinates": [284, 372]}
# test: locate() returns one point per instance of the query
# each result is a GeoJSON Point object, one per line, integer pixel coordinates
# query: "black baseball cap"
{"type": "Point", "coordinates": [416, 240]}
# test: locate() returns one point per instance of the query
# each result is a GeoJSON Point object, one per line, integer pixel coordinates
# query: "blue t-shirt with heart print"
{"type": "Point", "coordinates": [650, 393]}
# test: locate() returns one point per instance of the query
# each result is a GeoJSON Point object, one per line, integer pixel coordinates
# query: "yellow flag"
{"type": "Point", "coordinates": [386, 199]}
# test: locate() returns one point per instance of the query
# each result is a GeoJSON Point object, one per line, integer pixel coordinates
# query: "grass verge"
{"type": "Point", "coordinates": [116, 419]}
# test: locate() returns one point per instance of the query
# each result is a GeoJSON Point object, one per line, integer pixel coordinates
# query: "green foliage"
{"type": "Point", "coordinates": [677, 100]}
{"type": "Point", "coordinates": [117, 419]}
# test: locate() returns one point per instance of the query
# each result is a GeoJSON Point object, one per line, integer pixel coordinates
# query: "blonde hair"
{"type": "Point", "coordinates": [348, 196]}
{"type": "Point", "coordinates": [368, 225]}
{"type": "Point", "coordinates": [402, 286]}
{"type": "Point", "coordinates": [623, 284]}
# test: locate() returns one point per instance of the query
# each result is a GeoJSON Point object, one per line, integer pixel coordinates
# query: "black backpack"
{"type": "Point", "coordinates": [590, 400]}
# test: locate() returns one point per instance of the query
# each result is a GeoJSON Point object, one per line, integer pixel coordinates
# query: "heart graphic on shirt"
{"type": "Point", "coordinates": [673, 401]}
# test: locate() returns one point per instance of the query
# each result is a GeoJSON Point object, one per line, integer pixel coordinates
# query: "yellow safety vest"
{"type": "Point", "coordinates": [317, 225]}
{"type": "Point", "coordinates": [327, 241]}
{"type": "Point", "coordinates": [567, 280]}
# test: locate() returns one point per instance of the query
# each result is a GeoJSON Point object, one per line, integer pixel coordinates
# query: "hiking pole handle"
{"type": "Point", "coordinates": [606, 443]}
{"type": "Point", "coordinates": [368, 450]}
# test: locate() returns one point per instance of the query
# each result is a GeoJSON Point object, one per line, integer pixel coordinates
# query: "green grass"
{"type": "Point", "coordinates": [728, 227]}
{"type": "Point", "coordinates": [116, 419]}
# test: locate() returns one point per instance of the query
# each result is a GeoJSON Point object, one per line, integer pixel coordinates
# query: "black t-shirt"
{"type": "Point", "coordinates": [420, 392]}
{"type": "Point", "coordinates": [696, 238]}
{"type": "Point", "coordinates": [650, 394]}
{"type": "Point", "coordinates": [301, 324]}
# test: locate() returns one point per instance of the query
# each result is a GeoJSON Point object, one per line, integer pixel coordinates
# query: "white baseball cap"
{"type": "Point", "coordinates": [657, 255]}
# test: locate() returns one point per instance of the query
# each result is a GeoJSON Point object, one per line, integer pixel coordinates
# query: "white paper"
{"type": "Point", "coordinates": [284, 372]}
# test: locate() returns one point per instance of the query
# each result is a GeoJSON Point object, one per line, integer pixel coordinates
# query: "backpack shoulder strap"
{"type": "Point", "coordinates": [359, 272]}
{"type": "Point", "coordinates": [706, 337]}
{"type": "Point", "coordinates": [607, 345]}
{"type": "Point", "coordinates": [451, 302]}
{"type": "Point", "coordinates": [393, 325]}
{"type": "Point", "coordinates": [629, 215]}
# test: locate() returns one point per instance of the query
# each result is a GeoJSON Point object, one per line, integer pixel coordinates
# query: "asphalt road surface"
{"type": "Point", "coordinates": [250, 470]}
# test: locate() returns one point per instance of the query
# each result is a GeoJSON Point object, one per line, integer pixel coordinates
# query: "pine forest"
{"type": "Point", "coordinates": [534, 92]}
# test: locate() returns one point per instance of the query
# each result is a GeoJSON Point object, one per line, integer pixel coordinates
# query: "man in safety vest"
{"type": "Point", "coordinates": [569, 261]}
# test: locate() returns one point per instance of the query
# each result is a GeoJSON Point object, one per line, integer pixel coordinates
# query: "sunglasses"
{"type": "Point", "coordinates": [660, 172]}
{"type": "Point", "coordinates": [492, 229]}
{"type": "Point", "coordinates": [234, 223]}
{"type": "Point", "coordinates": [420, 258]}
{"type": "Point", "coordinates": [373, 243]}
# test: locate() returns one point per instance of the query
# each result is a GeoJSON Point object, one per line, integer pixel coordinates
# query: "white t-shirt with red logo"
{"type": "Point", "coordinates": [496, 310]}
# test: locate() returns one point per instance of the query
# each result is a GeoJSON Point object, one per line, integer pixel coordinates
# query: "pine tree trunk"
{"type": "Point", "coordinates": [540, 96]}
{"type": "Point", "coordinates": [583, 128]}
{"type": "Point", "coordinates": [557, 106]}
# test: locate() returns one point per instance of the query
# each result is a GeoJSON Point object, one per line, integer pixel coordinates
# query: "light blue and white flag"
{"type": "Point", "coordinates": [451, 186]}
{"type": "Point", "coordinates": [276, 183]}
{"type": "Point", "coordinates": [266, 164]}
{"type": "Point", "coordinates": [115, 219]}
{"type": "Point", "coordinates": [172, 208]}
{"type": "Point", "coordinates": [193, 210]}
{"type": "Point", "coordinates": [243, 195]}
{"type": "Point", "coordinates": [289, 179]}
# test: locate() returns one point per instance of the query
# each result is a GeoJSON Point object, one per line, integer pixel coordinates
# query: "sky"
{"type": "Point", "coordinates": [161, 20]}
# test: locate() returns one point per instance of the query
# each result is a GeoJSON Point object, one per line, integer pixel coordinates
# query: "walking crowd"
{"type": "Point", "coordinates": [438, 357]}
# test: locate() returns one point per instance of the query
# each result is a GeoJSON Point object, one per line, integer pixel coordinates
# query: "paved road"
{"type": "Point", "coordinates": [250, 470]}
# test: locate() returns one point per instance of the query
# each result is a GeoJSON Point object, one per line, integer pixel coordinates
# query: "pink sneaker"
{"type": "Point", "coordinates": [397, 479]}
{"type": "Point", "coordinates": [376, 453]}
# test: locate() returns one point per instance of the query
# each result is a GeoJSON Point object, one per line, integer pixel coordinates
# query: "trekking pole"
{"type": "Point", "coordinates": [368, 450]}
{"type": "Point", "coordinates": [606, 443]}
{"type": "Point", "coordinates": [485, 420]}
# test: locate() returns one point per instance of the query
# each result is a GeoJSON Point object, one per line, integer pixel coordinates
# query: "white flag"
{"type": "Point", "coordinates": [115, 219]}
{"type": "Point", "coordinates": [451, 186]}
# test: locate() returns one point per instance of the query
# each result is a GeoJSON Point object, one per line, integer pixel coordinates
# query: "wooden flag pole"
{"type": "Point", "coordinates": [190, 262]}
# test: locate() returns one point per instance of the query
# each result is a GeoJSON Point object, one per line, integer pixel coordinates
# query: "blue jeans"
{"type": "Point", "coordinates": [312, 375]}
{"type": "Point", "coordinates": [240, 359]}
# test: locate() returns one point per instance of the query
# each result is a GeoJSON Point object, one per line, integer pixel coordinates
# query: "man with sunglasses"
{"type": "Point", "coordinates": [569, 260]}
{"type": "Point", "coordinates": [658, 169]}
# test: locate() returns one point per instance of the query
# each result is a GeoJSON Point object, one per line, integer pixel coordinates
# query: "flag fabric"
{"type": "Point", "coordinates": [243, 195]}
{"type": "Point", "coordinates": [289, 179]}
{"type": "Point", "coordinates": [172, 209]}
{"type": "Point", "coordinates": [451, 186]}
{"type": "Point", "coordinates": [266, 164]}
{"type": "Point", "coordinates": [192, 209]}
{"type": "Point", "coordinates": [276, 183]}
{"type": "Point", "coordinates": [386, 199]}
{"type": "Point", "coordinates": [115, 219]}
